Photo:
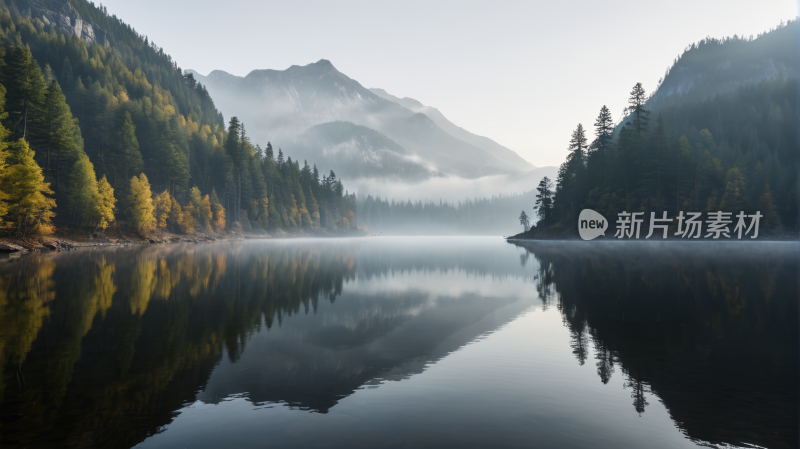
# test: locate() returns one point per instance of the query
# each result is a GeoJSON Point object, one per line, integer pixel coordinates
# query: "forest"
{"type": "Point", "coordinates": [733, 151]}
{"type": "Point", "coordinates": [471, 216]}
{"type": "Point", "coordinates": [117, 135]}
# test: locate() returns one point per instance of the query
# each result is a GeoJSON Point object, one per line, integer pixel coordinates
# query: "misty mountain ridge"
{"type": "Point", "coordinates": [285, 106]}
{"type": "Point", "coordinates": [718, 66]}
{"type": "Point", "coordinates": [484, 143]}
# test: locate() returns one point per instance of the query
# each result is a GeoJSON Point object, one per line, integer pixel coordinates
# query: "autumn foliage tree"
{"type": "Point", "coordinates": [105, 204]}
{"type": "Point", "coordinates": [28, 194]}
{"type": "Point", "coordinates": [140, 205]}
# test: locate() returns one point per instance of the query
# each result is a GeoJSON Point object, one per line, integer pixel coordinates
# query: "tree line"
{"type": "Point", "coordinates": [732, 152]}
{"type": "Point", "coordinates": [470, 216]}
{"type": "Point", "coordinates": [87, 125]}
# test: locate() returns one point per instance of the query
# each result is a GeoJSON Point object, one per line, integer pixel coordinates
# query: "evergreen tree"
{"type": "Point", "coordinates": [524, 220]}
{"type": "Point", "coordinates": [26, 88]}
{"type": "Point", "coordinates": [766, 206]}
{"type": "Point", "coordinates": [604, 128]}
{"type": "Point", "coordinates": [636, 102]}
{"type": "Point", "coordinates": [733, 199]}
{"type": "Point", "coordinates": [125, 158]}
{"type": "Point", "coordinates": [569, 189]}
{"type": "Point", "coordinates": [81, 193]}
{"type": "Point", "coordinates": [58, 132]}
{"type": "Point", "coordinates": [544, 200]}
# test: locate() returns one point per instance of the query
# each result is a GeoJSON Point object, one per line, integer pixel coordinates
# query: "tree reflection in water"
{"type": "Point", "coordinates": [711, 330]}
{"type": "Point", "coordinates": [98, 348]}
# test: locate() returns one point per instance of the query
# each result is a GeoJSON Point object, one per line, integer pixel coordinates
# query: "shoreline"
{"type": "Point", "coordinates": [63, 241]}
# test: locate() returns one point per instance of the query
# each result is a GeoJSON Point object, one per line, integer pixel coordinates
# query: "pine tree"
{"type": "Point", "coordinates": [604, 128]}
{"type": "Point", "coordinates": [766, 206]}
{"type": "Point", "coordinates": [125, 158]}
{"type": "Point", "coordinates": [26, 88]}
{"type": "Point", "coordinates": [140, 204]}
{"type": "Point", "coordinates": [57, 127]}
{"type": "Point", "coordinates": [569, 188]}
{"type": "Point", "coordinates": [733, 199]}
{"type": "Point", "coordinates": [641, 116]}
{"type": "Point", "coordinates": [81, 190]}
{"type": "Point", "coordinates": [23, 182]}
{"type": "Point", "coordinates": [524, 221]}
{"type": "Point", "coordinates": [105, 204]}
{"type": "Point", "coordinates": [544, 200]}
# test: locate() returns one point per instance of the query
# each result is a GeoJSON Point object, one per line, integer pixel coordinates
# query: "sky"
{"type": "Point", "coordinates": [523, 73]}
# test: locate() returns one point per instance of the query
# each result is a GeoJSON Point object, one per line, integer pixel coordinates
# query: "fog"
{"type": "Point", "coordinates": [449, 188]}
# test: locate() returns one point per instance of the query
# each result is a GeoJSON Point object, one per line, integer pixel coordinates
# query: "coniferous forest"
{"type": "Point", "coordinates": [706, 151]}
{"type": "Point", "coordinates": [116, 135]}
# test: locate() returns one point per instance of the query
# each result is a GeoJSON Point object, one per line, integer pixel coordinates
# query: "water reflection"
{"type": "Point", "coordinates": [712, 331]}
{"type": "Point", "coordinates": [101, 348]}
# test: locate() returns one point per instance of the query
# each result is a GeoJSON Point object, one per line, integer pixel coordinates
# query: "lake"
{"type": "Point", "coordinates": [402, 342]}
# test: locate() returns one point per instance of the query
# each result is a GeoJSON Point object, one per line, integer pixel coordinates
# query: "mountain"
{"type": "Point", "coordinates": [282, 105]}
{"type": "Point", "coordinates": [717, 66]}
{"type": "Point", "coordinates": [354, 149]}
{"type": "Point", "coordinates": [97, 103]}
{"type": "Point", "coordinates": [484, 143]}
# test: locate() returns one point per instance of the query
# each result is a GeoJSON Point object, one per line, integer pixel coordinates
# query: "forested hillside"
{"type": "Point", "coordinates": [111, 129]}
{"type": "Point", "coordinates": [730, 152]}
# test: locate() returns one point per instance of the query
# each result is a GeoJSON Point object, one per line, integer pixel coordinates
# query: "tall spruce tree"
{"type": "Point", "coordinates": [544, 200]}
{"type": "Point", "coordinates": [81, 192]}
{"type": "Point", "coordinates": [636, 101]}
{"type": "Point", "coordinates": [125, 159]}
{"type": "Point", "coordinates": [26, 88]}
{"type": "Point", "coordinates": [57, 127]}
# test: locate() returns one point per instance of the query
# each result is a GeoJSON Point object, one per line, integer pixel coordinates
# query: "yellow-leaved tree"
{"type": "Point", "coordinates": [163, 209]}
{"type": "Point", "coordinates": [188, 221]}
{"type": "Point", "coordinates": [3, 169]}
{"type": "Point", "coordinates": [200, 209]}
{"type": "Point", "coordinates": [175, 218]}
{"type": "Point", "coordinates": [30, 209]}
{"type": "Point", "coordinates": [217, 211]}
{"type": "Point", "coordinates": [104, 204]}
{"type": "Point", "coordinates": [140, 204]}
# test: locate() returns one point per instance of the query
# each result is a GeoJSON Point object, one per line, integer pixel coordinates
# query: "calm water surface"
{"type": "Point", "coordinates": [402, 342]}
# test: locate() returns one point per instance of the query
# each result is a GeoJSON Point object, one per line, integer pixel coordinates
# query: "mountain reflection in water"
{"type": "Point", "coordinates": [117, 347]}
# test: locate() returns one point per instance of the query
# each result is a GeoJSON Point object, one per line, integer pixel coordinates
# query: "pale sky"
{"type": "Point", "coordinates": [523, 73]}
